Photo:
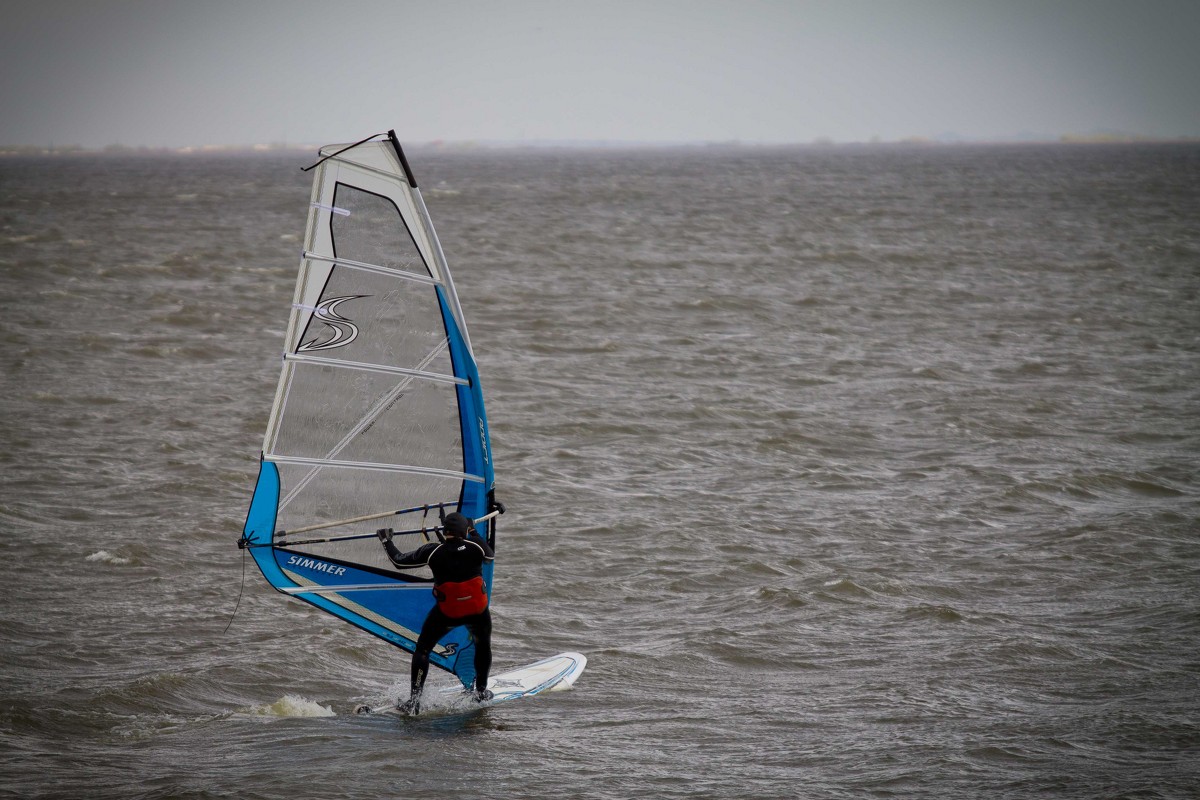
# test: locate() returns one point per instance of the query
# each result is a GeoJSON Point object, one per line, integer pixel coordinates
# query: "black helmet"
{"type": "Point", "coordinates": [457, 524]}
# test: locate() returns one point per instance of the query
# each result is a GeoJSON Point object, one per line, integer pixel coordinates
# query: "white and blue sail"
{"type": "Point", "coordinates": [378, 420]}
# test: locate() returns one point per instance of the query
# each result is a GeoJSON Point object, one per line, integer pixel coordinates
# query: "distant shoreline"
{"type": "Point", "coordinates": [465, 146]}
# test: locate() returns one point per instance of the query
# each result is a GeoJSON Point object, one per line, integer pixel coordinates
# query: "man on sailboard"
{"type": "Point", "coordinates": [457, 565]}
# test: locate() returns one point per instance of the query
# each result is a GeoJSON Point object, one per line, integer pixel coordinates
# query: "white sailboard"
{"type": "Point", "coordinates": [378, 419]}
{"type": "Point", "coordinates": [555, 674]}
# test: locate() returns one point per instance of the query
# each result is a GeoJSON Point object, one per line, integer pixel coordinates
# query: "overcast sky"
{"type": "Point", "coordinates": [165, 73]}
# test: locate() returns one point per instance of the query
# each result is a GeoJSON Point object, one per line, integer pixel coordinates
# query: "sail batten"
{"type": "Point", "coordinates": [366, 587]}
{"type": "Point", "coordinates": [398, 273]}
{"type": "Point", "coordinates": [382, 368]}
{"type": "Point", "coordinates": [379, 405]}
{"type": "Point", "coordinates": [409, 468]}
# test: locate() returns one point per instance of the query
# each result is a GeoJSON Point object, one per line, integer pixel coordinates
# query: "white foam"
{"type": "Point", "coordinates": [107, 558]}
{"type": "Point", "coordinates": [291, 705]}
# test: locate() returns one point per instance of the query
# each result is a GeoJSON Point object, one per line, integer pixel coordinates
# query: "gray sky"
{"type": "Point", "coordinates": [194, 72]}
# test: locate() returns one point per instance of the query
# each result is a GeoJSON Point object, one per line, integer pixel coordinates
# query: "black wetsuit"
{"type": "Point", "coordinates": [452, 561]}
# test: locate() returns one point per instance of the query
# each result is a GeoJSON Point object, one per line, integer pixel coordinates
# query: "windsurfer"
{"type": "Point", "coordinates": [457, 565]}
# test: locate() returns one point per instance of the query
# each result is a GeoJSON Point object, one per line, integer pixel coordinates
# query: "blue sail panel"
{"type": "Point", "coordinates": [476, 443]}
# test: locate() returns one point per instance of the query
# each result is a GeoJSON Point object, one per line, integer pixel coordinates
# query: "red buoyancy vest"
{"type": "Point", "coordinates": [464, 599]}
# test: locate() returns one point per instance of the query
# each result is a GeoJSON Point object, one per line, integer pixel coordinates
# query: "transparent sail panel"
{"type": "Point", "coordinates": [351, 415]}
{"type": "Point", "coordinates": [374, 318]}
{"type": "Point", "coordinates": [373, 232]}
{"type": "Point", "coordinates": [331, 494]}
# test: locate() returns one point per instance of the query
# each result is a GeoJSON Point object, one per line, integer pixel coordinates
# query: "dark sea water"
{"type": "Point", "coordinates": [854, 473]}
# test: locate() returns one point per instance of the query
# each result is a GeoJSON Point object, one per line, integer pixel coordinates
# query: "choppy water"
{"type": "Point", "coordinates": [855, 473]}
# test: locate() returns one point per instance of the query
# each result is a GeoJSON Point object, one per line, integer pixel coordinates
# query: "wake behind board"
{"type": "Point", "coordinates": [554, 674]}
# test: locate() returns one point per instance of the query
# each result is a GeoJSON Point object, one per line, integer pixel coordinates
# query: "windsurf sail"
{"type": "Point", "coordinates": [378, 420]}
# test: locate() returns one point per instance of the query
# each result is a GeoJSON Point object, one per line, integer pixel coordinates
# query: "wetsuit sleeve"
{"type": "Point", "coordinates": [488, 555]}
{"type": "Point", "coordinates": [415, 558]}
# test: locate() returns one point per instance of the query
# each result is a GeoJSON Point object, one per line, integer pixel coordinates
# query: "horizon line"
{"type": "Point", "coordinates": [568, 144]}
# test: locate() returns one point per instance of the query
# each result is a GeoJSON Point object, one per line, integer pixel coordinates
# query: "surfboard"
{"type": "Point", "coordinates": [554, 674]}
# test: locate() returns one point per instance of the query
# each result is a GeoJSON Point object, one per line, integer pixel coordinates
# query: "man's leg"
{"type": "Point", "coordinates": [481, 631]}
{"type": "Point", "coordinates": [435, 627]}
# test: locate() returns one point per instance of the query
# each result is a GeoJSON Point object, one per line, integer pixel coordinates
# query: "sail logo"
{"type": "Point", "coordinates": [338, 331]}
{"type": "Point", "coordinates": [316, 566]}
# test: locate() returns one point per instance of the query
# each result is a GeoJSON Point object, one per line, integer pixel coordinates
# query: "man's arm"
{"type": "Point", "coordinates": [414, 558]}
